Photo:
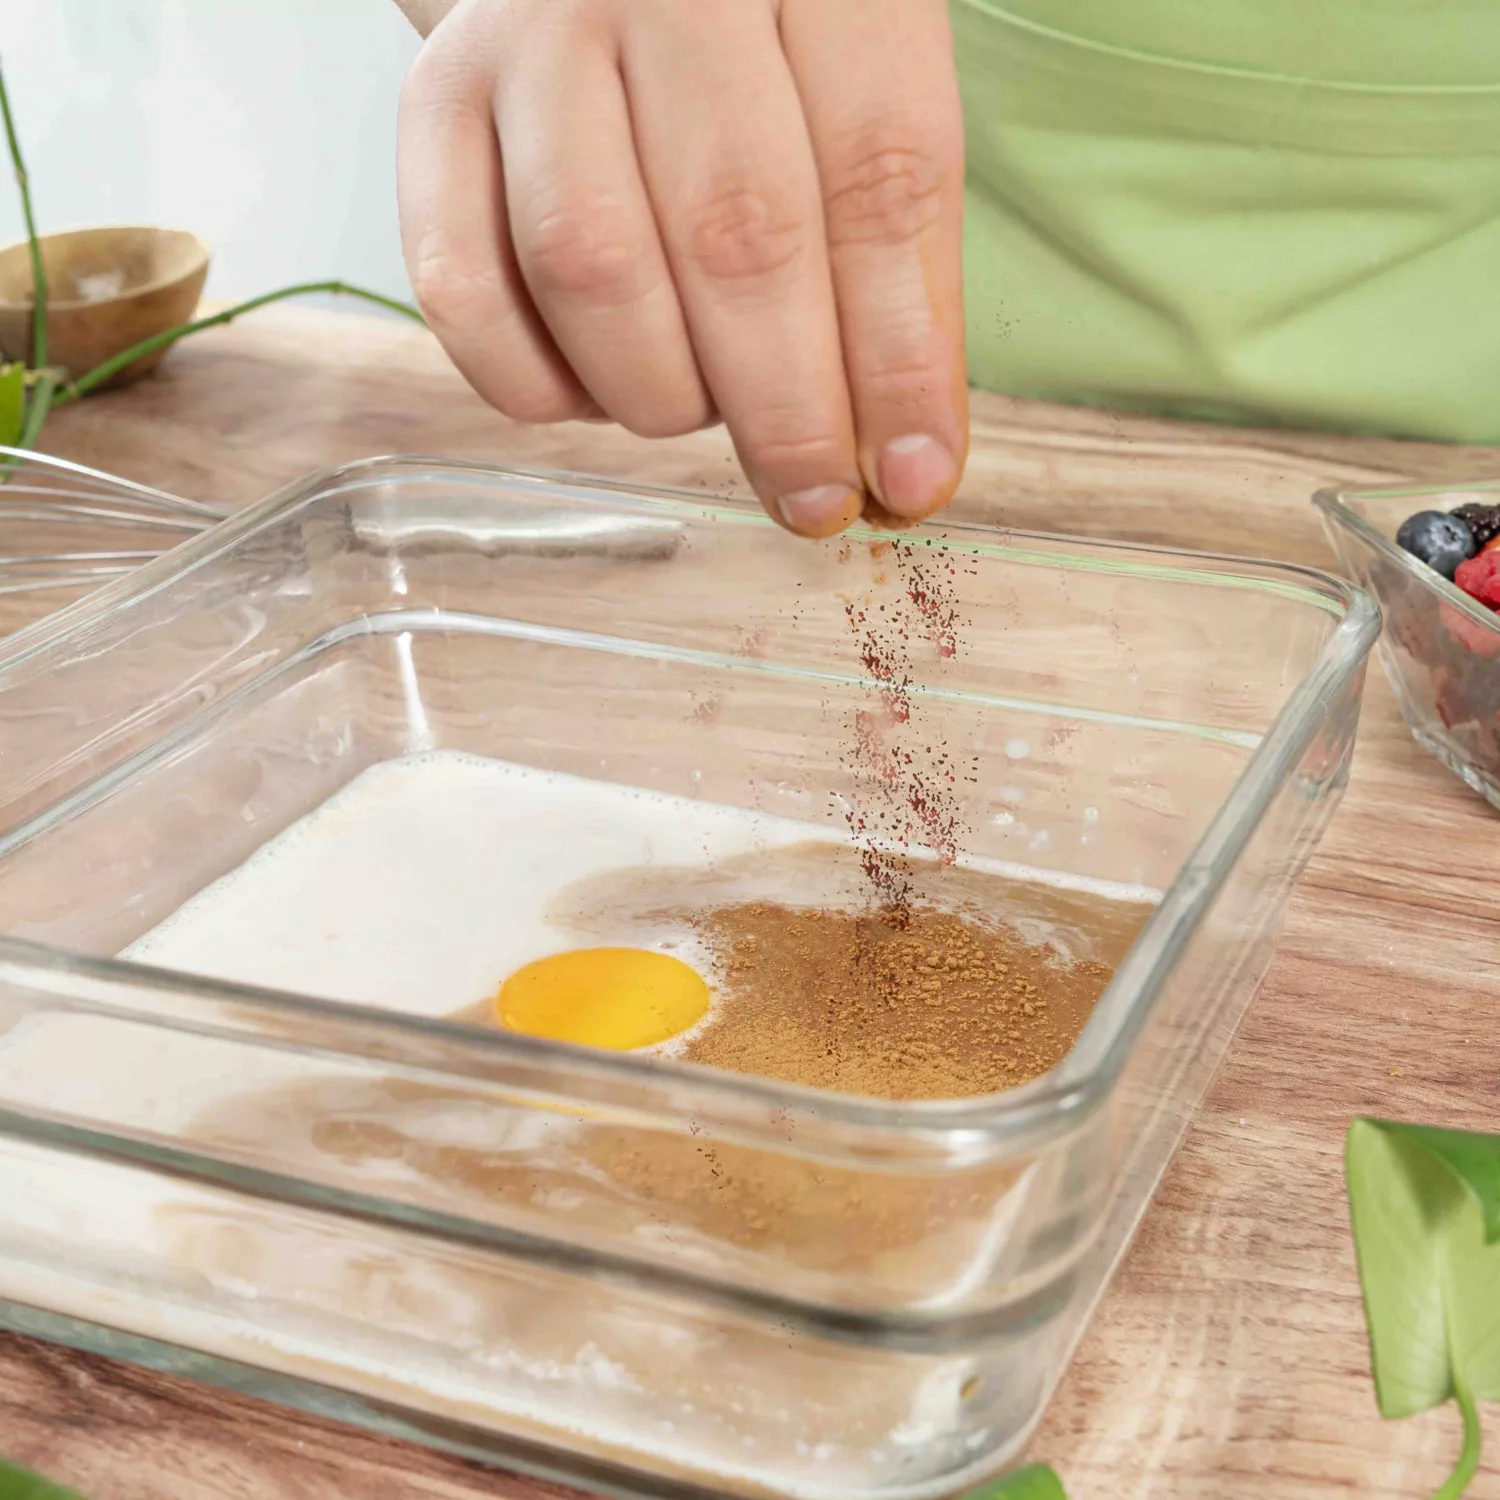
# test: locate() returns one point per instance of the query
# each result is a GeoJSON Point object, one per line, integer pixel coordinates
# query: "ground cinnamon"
{"type": "Point", "coordinates": [937, 1005]}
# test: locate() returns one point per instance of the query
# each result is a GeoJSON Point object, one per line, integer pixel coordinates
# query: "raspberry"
{"type": "Point", "coordinates": [1479, 578]}
{"type": "Point", "coordinates": [1470, 634]}
{"type": "Point", "coordinates": [1414, 635]}
{"type": "Point", "coordinates": [1447, 700]}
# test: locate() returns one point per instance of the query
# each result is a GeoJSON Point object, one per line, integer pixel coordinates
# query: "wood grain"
{"type": "Point", "coordinates": [1228, 1357]}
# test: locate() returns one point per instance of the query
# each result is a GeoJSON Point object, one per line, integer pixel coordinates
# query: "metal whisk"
{"type": "Point", "coordinates": [43, 492]}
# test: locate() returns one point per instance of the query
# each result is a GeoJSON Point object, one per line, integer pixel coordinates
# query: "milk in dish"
{"type": "Point", "coordinates": [443, 885]}
{"type": "Point", "coordinates": [425, 884]}
{"type": "Point", "coordinates": [446, 885]}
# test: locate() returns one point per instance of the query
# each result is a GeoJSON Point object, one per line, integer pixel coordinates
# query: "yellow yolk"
{"type": "Point", "coordinates": [620, 998]}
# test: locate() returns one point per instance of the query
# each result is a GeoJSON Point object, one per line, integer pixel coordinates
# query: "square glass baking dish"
{"type": "Point", "coordinates": [1440, 648]}
{"type": "Point", "coordinates": [808, 1294]}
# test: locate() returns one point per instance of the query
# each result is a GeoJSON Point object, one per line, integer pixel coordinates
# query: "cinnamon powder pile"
{"type": "Point", "coordinates": [936, 1005]}
{"type": "Point", "coordinates": [977, 982]}
{"type": "Point", "coordinates": [940, 1005]}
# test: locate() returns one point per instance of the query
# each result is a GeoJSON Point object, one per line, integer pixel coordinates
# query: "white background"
{"type": "Point", "coordinates": [265, 126]}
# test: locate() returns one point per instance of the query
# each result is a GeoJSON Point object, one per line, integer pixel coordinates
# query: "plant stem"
{"type": "Point", "coordinates": [100, 373]}
{"type": "Point", "coordinates": [38, 271]}
{"type": "Point", "coordinates": [1468, 1460]}
{"type": "Point", "coordinates": [42, 394]}
{"type": "Point", "coordinates": [39, 401]}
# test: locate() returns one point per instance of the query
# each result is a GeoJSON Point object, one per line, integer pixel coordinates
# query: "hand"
{"type": "Point", "coordinates": [664, 212]}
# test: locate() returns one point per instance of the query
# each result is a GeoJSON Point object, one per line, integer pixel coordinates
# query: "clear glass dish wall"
{"type": "Point", "coordinates": [788, 1291]}
{"type": "Point", "coordinates": [1440, 648]}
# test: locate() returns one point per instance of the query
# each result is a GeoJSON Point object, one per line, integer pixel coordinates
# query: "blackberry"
{"type": "Point", "coordinates": [1482, 520]}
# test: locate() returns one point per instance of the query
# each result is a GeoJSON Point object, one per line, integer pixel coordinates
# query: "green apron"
{"type": "Point", "coordinates": [1274, 211]}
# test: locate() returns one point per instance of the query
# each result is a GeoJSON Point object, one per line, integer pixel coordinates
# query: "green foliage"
{"type": "Point", "coordinates": [1425, 1204]}
{"type": "Point", "coordinates": [21, 1484]}
{"type": "Point", "coordinates": [1035, 1482]}
{"type": "Point", "coordinates": [12, 403]}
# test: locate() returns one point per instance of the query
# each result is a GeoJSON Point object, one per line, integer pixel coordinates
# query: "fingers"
{"type": "Point", "coordinates": [653, 214]}
{"type": "Point", "coordinates": [456, 239]}
{"type": "Point", "coordinates": [584, 233]}
{"type": "Point", "coordinates": [732, 179]}
{"type": "Point", "coordinates": [888, 139]}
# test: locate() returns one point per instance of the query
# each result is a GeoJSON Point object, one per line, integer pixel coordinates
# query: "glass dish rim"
{"type": "Point", "coordinates": [1334, 504]}
{"type": "Point", "coordinates": [1052, 1103]}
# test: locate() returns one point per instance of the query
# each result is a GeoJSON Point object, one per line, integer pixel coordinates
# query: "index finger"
{"type": "Point", "coordinates": [730, 170]}
{"type": "Point", "coordinates": [888, 138]}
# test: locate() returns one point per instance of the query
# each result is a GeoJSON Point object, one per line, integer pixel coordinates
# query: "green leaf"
{"type": "Point", "coordinates": [1036, 1482]}
{"type": "Point", "coordinates": [1425, 1205]}
{"type": "Point", "coordinates": [21, 1484]}
{"type": "Point", "coordinates": [1475, 1158]}
{"type": "Point", "coordinates": [12, 403]}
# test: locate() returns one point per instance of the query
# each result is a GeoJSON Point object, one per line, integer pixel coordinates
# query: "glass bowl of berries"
{"type": "Point", "coordinates": [1431, 557]}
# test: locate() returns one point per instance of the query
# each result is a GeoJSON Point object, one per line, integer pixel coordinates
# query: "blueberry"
{"type": "Point", "coordinates": [1442, 542]}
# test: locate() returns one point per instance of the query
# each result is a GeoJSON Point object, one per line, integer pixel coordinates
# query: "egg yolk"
{"type": "Point", "coordinates": [619, 998]}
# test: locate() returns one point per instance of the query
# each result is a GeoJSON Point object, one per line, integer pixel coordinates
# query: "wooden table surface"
{"type": "Point", "coordinates": [1229, 1356]}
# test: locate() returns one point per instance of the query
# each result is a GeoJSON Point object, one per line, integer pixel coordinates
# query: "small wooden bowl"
{"type": "Point", "coordinates": [106, 290]}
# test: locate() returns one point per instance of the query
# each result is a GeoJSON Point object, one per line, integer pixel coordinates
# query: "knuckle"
{"type": "Point", "coordinates": [887, 188]}
{"type": "Point", "coordinates": [441, 77]}
{"type": "Point", "coordinates": [454, 291]}
{"type": "Point", "coordinates": [744, 233]}
{"type": "Point", "coordinates": [540, 407]}
{"type": "Point", "coordinates": [535, 393]}
{"type": "Point", "coordinates": [588, 250]}
{"type": "Point", "coordinates": [540, 398]}
{"type": "Point", "coordinates": [429, 78]}
{"type": "Point", "coordinates": [783, 443]}
{"type": "Point", "coordinates": [913, 372]}
{"type": "Point", "coordinates": [674, 421]}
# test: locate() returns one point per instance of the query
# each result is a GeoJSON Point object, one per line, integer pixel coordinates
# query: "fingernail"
{"type": "Point", "coordinates": [819, 512]}
{"type": "Point", "coordinates": [917, 474]}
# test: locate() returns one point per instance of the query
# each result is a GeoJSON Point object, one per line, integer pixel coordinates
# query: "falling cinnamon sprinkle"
{"type": "Point", "coordinates": [909, 790]}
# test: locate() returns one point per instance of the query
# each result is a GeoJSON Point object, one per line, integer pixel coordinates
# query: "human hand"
{"type": "Point", "coordinates": [664, 212]}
